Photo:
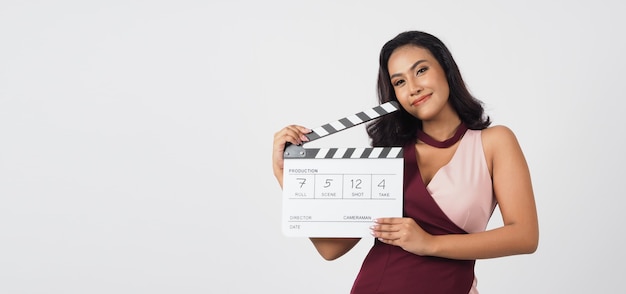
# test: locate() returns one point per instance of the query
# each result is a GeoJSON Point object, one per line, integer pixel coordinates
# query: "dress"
{"type": "Point", "coordinates": [458, 200]}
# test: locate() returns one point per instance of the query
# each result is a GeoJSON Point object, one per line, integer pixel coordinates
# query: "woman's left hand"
{"type": "Point", "coordinates": [403, 232]}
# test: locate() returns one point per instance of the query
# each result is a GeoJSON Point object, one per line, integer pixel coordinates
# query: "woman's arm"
{"type": "Point", "coordinates": [333, 248]}
{"type": "Point", "coordinates": [513, 191]}
{"type": "Point", "coordinates": [328, 248]}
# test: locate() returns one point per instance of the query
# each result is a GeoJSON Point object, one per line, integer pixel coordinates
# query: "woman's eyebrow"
{"type": "Point", "coordinates": [412, 67]}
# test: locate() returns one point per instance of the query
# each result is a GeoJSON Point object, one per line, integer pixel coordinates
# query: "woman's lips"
{"type": "Point", "coordinates": [421, 99]}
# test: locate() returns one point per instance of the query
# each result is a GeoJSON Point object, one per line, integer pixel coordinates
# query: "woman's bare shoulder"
{"type": "Point", "coordinates": [498, 133]}
{"type": "Point", "coordinates": [499, 137]}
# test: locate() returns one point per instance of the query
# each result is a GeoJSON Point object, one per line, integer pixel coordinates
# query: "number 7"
{"type": "Point", "coordinates": [302, 181]}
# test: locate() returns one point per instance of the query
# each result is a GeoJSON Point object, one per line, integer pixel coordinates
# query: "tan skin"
{"type": "Point", "coordinates": [422, 90]}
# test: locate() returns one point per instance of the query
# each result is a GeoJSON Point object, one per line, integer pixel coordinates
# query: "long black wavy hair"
{"type": "Point", "coordinates": [400, 127]}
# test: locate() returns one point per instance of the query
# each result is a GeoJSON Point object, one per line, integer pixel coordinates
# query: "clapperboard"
{"type": "Point", "coordinates": [338, 192]}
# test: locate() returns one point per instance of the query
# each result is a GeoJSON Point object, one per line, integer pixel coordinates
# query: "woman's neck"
{"type": "Point", "coordinates": [442, 129]}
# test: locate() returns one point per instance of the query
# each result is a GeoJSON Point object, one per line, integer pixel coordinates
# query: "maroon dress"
{"type": "Point", "coordinates": [391, 269]}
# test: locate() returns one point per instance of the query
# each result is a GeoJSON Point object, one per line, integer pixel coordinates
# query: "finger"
{"type": "Point", "coordinates": [389, 220]}
{"type": "Point", "coordinates": [389, 239]}
{"type": "Point", "coordinates": [386, 241]}
{"type": "Point", "coordinates": [298, 128]}
{"type": "Point", "coordinates": [293, 134]}
{"type": "Point", "coordinates": [304, 130]}
{"type": "Point", "coordinates": [287, 135]}
{"type": "Point", "coordinates": [300, 132]}
{"type": "Point", "coordinates": [385, 228]}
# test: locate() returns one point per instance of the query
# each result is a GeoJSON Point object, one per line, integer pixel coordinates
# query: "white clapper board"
{"type": "Point", "coordinates": [338, 192]}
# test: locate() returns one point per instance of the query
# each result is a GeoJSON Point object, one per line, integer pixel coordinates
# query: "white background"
{"type": "Point", "coordinates": [135, 136]}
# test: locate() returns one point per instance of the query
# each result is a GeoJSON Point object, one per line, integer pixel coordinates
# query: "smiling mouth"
{"type": "Point", "coordinates": [421, 99]}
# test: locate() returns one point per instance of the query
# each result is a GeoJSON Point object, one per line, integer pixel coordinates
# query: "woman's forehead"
{"type": "Point", "coordinates": [404, 57]}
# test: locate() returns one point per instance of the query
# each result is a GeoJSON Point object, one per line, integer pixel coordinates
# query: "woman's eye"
{"type": "Point", "coordinates": [398, 83]}
{"type": "Point", "coordinates": [422, 70]}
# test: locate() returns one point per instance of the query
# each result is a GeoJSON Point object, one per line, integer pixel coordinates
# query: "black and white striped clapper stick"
{"type": "Point", "coordinates": [297, 151]}
{"type": "Point", "coordinates": [353, 120]}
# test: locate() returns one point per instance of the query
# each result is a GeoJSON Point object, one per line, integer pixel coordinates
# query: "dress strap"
{"type": "Point", "coordinates": [460, 130]}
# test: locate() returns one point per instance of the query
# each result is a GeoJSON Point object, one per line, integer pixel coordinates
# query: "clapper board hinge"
{"type": "Point", "coordinates": [298, 151]}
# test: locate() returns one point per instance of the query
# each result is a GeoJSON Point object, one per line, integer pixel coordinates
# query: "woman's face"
{"type": "Point", "coordinates": [419, 82]}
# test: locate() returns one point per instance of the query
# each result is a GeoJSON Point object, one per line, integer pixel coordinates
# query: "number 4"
{"type": "Point", "coordinates": [382, 184]}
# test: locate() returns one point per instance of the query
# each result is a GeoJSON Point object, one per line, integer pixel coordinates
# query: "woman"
{"type": "Point", "coordinates": [457, 169]}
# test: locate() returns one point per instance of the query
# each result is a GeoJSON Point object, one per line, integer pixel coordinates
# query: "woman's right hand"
{"type": "Point", "coordinates": [293, 134]}
{"type": "Point", "coordinates": [328, 248]}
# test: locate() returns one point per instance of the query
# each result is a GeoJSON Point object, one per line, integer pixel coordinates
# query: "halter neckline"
{"type": "Point", "coordinates": [460, 130]}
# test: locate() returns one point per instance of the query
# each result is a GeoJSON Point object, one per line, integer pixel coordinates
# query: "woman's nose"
{"type": "Point", "coordinates": [415, 87]}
